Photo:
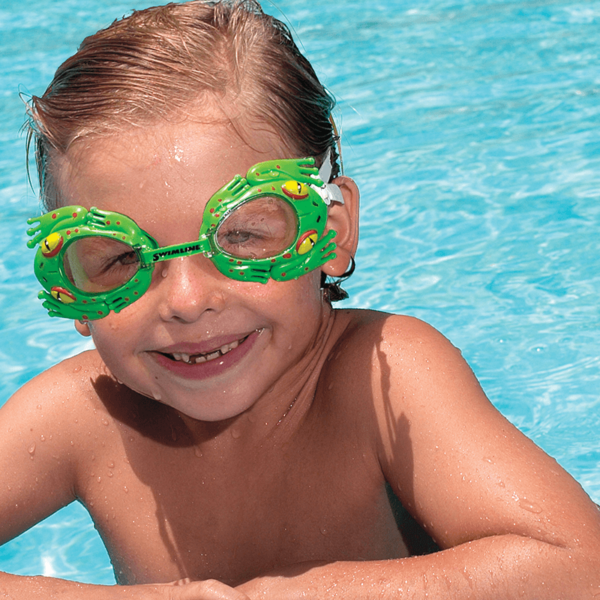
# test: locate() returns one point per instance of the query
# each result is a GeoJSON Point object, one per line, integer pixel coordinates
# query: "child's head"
{"type": "Point", "coordinates": [152, 122]}
{"type": "Point", "coordinates": [223, 64]}
{"type": "Point", "coordinates": [223, 61]}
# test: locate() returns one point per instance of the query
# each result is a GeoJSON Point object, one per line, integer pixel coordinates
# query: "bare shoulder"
{"type": "Point", "coordinates": [45, 429]}
{"type": "Point", "coordinates": [391, 346]}
{"type": "Point", "coordinates": [455, 462]}
{"type": "Point", "coordinates": [65, 389]}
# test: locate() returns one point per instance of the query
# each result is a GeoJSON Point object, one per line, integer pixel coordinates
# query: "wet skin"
{"type": "Point", "coordinates": [210, 469]}
{"type": "Point", "coordinates": [276, 453]}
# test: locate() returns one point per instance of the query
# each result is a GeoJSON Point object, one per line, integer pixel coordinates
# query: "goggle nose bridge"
{"type": "Point", "coordinates": [202, 245]}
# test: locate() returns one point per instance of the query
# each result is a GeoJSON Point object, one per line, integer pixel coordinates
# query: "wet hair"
{"type": "Point", "coordinates": [167, 62]}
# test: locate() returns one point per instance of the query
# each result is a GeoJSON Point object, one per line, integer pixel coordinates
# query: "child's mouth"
{"type": "Point", "coordinates": [192, 359]}
{"type": "Point", "coordinates": [207, 364]}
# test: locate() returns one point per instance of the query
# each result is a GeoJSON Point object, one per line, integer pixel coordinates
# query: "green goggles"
{"type": "Point", "coordinates": [267, 225]}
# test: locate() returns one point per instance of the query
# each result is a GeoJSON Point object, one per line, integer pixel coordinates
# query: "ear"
{"type": "Point", "coordinates": [83, 327]}
{"type": "Point", "coordinates": [343, 219]}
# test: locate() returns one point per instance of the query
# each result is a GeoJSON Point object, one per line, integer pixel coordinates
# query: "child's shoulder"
{"type": "Point", "coordinates": [383, 337]}
{"type": "Point", "coordinates": [62, 395]}
{"type": "Point", "coordinates": [71, 377]}
{"type": "Point", "coordinates": [393, 360]}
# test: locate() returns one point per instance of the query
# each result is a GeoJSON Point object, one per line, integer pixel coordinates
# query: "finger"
{"type": "Point", "coordinates": [209, 589]}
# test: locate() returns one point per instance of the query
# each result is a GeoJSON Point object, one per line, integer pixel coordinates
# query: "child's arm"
{"type": "Point", "coordinates": [41, 437]}
{"type": "Point", "coordinates": [511, 522]}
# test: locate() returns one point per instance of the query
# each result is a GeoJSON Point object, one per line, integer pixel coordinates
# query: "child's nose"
{"type": "Point", "coordinates": [188, 287]}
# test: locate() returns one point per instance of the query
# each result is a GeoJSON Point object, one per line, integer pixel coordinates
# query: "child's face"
{"type": "Point", "coordinates": [241, 338]}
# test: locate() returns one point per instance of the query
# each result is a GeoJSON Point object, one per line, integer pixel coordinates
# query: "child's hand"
{"type": "Point", "coordinates": [287, 583]}
{"type": "Point", "coordinates": [209, 589]}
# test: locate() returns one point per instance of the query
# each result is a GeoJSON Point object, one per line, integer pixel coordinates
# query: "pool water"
{"type": "Point", "coordinates": [471, 128]}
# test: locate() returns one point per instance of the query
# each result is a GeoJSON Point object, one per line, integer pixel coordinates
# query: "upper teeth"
{"type": "Point", "coordinates": [200, 358]}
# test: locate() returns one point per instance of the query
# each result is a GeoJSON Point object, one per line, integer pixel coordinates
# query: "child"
{"type": "Point", "coordinates": [233, 436]}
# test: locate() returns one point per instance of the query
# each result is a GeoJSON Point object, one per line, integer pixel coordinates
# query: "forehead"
{"type": "Point", "coordinates": [162, 166]}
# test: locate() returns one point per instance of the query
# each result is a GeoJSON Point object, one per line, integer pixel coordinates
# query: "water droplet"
{"type": "Point", "coordinates": [31, 449]}
{"type": "Point", "coordinates": [104, 422]}
{"type": "Point", "coordinates": [532, 507]}
{"type": "Point", "coordinates": [125, 489]}
{"type": "Point", "coordinates": [110, 473]}
{"type": "Point", "coordinates": [501, 483]}
{"type": "Point", "coordinates": [39, 407]}
{"type": "Point", "coordinates": [77, 369]}
{"type": "Point", "coordinates": [235, 433]}
{"type": "Point", "coordinates": [42, 438]}
{"type": "Point", "coordinates": [198, 452]}
{"type": "Point", "coordinates": [323, 531]}
{"type": "Point", "coordinates": [99, 479]}
{"type": "Point", "coordinates": [156, 395]}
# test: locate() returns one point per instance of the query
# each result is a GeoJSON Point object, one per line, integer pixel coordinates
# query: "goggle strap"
{"type": "Point", "coordinates": [329, 192]}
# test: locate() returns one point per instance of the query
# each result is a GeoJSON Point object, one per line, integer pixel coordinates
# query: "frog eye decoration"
{"type": "Point", "coordinates": [295, 190]}
{"type": "Point", "coordinates": [307, 242]}
{"type": "Point", "coordinates": [62, 295]}
{"type": "Point", "coordinates": [51, 245]}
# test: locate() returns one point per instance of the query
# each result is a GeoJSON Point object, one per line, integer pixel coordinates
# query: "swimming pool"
{"type": "Point", "coordinates": [471, 128]}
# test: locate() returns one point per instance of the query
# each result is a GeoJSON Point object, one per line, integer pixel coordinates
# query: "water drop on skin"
{"type": "Point", "coordinates": [531, 507]}
{"type": "Point", "coordinates": [235, 434]}
{"type": "Point", "coordinates": [198, 452]}
{"type": "Point", "coordinates": [31, 450]}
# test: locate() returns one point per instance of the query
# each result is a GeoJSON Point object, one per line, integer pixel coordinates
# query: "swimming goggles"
{"type": "Point", "coordinates": [269, 224]}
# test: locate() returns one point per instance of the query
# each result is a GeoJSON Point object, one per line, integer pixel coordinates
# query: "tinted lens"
{"type": "Point", "coordinates": [99, 264]}
{"type": "Point", "coordinates": [261, 228]}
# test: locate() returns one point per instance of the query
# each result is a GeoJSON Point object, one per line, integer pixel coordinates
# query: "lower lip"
{"type": "Point", "coordinates": [211, 368]}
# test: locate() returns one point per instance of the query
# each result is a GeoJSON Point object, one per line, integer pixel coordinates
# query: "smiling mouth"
{"type": "Point", "coordinates": [194, 359]}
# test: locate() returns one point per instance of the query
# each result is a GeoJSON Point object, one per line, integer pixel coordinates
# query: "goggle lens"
{"type": "Point", "coordinates": [261, 228]}
{"type": "Point", "coordinates": [99, 264]}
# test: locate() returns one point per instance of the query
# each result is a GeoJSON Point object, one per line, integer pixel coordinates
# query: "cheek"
{"type": "Point", "coordinates": [115, 336]}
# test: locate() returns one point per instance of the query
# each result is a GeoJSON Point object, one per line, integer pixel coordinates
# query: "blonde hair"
{"type": "Point", "coordinates": [162, 61]}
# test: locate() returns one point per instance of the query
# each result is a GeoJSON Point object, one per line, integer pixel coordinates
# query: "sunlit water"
{"type": "Point", "coordinates": [472, 130]}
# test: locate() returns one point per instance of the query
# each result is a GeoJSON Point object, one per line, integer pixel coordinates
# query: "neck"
{"type": "Point", "coordinates": [275, 417]}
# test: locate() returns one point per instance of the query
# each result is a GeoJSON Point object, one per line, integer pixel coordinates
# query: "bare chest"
{"type": "Point", "coordinates": [169, 511]}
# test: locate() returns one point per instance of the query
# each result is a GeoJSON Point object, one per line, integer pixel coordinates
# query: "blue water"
{"type": "Point", "coordinates": [472, 129]}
